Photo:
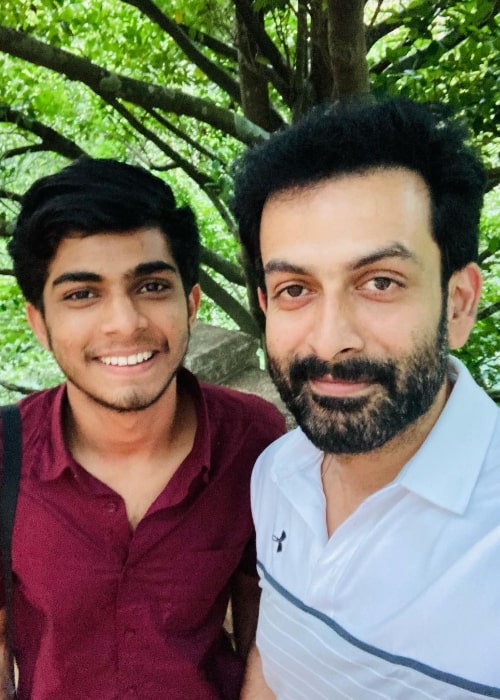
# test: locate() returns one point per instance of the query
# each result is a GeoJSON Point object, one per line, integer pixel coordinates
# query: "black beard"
{"type": "Point", "coordinates": [354, 425]}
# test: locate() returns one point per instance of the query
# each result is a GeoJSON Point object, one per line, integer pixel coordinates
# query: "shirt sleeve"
{"type": "Point", "coordinates": [248, 562]}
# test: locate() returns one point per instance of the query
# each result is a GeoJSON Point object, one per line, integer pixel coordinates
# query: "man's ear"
{"type": "Point", "coordinates": [262, 297]}
{"type": "Point", "coordinates": [193, 301]}
{"type": "Point", "coordinates": [38, 326]}
{"type": "Point", "coordinates": [464, 291]}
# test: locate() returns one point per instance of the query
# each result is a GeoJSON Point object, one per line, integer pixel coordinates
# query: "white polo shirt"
{"type": "Point", "coordinates": [403, 601]}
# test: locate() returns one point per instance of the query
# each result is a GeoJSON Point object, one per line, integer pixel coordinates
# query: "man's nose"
{"type": "Point", "coordinates": [335, 330]}
{"type": "Point", "coordinates": [122, 315]}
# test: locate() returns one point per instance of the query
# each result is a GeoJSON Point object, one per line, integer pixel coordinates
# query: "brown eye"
{"type": "Point", "coordinates": [295, 290]}
{"type": "Point", "coordinates": [382, 283]}
{"type": "Point", "coordinates": [154, 287]}
{"type": "Point", "coordinates": [79, 295]}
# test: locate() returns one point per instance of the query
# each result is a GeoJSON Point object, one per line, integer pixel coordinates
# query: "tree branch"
{"type": "Point", "coordinates": [266, 46]}
{"type": "Point", "coordinates": [375, 14]}
{"type": "Point", "coordinates": [23, 150]}
{"type": "Point", "coordinates": [184, 137]}
{"type": "Point", "coordinates": [16, 387]}
{"type": "Point", "coordinates": [484, 255]}
{"type": "Point", "coordinates": [231, 306]}
{"type": "Point", "coordinates": [224, 267]}
{"type": "Point", "coordinates": [423, 57]}
{"type": "Point", "coordinates": [216, 74]}
{"type": "Point", "coordinates": [492, 178]}
{"type": "Point", "coordinates": [488, 310]}
{"type": "Point", "coordinates": [12, 196]}
{"type": "Point", "coordinates": [210, 42]}
{"type": "Point", "coordinates": [202, 180]}
{"type": "Point", "coordinates": [379, 31]}
{"type": "Point", "coordinates": [113, 85]}
{"type": "Point", "coordinates": [51, 139]}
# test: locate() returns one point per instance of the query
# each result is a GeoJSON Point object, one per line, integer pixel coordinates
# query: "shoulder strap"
{"type": "Point", "coordinates": [11, 474]}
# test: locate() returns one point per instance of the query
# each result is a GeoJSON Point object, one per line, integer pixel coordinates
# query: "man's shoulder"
{"type": "Point", "coordinates": [36, 409]}
{"type": "Point", "coordinates": [287, 444]}
{"type": "Point", "coordinates": [288, 453]}
{"type": "Point", "coordinates": [39, 401]}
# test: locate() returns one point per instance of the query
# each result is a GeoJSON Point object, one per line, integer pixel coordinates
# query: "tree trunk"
{"type": "Point", "coordinates": [348, 47]}
{"type": "Point", "coordinates": [321, 60]}
{"type": "Point", "coordinates": [253, 85]}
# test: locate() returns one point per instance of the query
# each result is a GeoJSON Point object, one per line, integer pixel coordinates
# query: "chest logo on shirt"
{"type": "Point", "coordinates": [280, 541]}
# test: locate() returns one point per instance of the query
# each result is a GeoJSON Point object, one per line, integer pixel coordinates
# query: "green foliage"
{"type": "Point", "coordinates": [482, 352]}
{"type": "Point", "coordinates": [160, 84]}
{"type": "Point", "coordinates": [22, 361]}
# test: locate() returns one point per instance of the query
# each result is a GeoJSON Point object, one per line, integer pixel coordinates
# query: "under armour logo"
{"type": "Point", "coordinates": [280, 541]}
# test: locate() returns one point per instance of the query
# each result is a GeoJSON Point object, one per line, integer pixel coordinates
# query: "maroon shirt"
{"type": "Point", "coordinates": [105, 613]}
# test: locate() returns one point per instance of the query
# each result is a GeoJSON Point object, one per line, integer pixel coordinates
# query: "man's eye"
{"type": "Point", "coordinates": [153, 287]}
{"type": "Point", "coordinates": [79, 295]}
{"type": "Point", "coordinates": [381, 283]}
{"type": "Point", "coordinates": [294, 290]}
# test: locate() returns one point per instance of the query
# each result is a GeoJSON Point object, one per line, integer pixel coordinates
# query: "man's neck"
{"type": "Point", "coordinates": [91, 427]}
{"type": "Point", "coordinates": [135, 454]}
{"type": "Point", "coordinates": [349, 479]}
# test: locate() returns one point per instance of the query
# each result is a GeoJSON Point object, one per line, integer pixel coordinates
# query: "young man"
{"type": "Point", "coordinates": [377, 521]}
{"type": "Point", "coordinates": [133, 524]}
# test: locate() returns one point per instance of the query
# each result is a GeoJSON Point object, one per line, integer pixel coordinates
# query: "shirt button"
{"type": "Point", "coordinates": [129, 633]}
{"type": "Point", "coordinates": [111, 506]}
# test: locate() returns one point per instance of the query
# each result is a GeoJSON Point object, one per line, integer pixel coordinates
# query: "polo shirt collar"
{"type": "Point", "coordinates": [57, 458]}
{"type": "Point", "coordinates": [446, 467]}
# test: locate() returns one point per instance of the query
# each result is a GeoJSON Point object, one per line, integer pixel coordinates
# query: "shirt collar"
{"type": "Point", "coordinates": [58, 458]}
{"type": "Point", "coordinates": [445, 469]}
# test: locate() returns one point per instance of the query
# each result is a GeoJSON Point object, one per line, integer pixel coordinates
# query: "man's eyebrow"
{"type": "Point", "coordinates": [283, 266]}
{"type": "Point", "coordinates": [148, 268]}
{"type": "Point", "coordinates": [140, 270]}
{"type": "Point", "coordinates": [396, 250]}
{"type": "Point", "coordinates": [77, 276]}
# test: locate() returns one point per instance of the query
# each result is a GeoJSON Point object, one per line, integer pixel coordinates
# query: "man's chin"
{"type": "Point", "coordinates": [338, 405]}
{"type": "Point", "coordinates": [132, 401]}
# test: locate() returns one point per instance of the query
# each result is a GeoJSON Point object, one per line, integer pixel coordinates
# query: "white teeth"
{"type": "Point", "coordinates": [123, 360]}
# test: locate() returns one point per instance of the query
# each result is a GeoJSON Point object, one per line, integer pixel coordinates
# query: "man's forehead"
{"type": "Point", "coordinates": [349, 222]}
{"type": "Point", "coordinates": [297, 191]}
{"type": "Point", "coordinates": [131, 252]}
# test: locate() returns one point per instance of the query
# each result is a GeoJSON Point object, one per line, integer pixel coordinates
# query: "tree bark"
{"type": "Point", "coordinates": [321, 60]}
{"type": "Point", "coordinates": [348, 47]}
{"type": "Point", "coordinates": [253, 84]}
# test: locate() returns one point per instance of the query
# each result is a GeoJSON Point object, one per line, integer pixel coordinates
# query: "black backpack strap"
{"type": "Point", "coordinates": [11, 474]}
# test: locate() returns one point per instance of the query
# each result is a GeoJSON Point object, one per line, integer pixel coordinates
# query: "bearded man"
{"type": "Point", "coordinates": [378, 535]}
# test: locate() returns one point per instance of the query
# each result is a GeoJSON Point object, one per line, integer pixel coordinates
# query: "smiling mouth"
{"type": "Point", "coordinates": [126, 360]}
{"type": "Point", "coordinates": [327, 385]}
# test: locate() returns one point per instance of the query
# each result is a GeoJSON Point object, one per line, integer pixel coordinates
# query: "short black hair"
{"type": "Point", "coordinates": [92, 196]}
{"type": "Point", "coordinates": [360, 135]}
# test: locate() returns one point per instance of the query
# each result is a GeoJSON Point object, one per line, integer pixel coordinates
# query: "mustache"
{"type": "Point", "coordinates": [354, 369]}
